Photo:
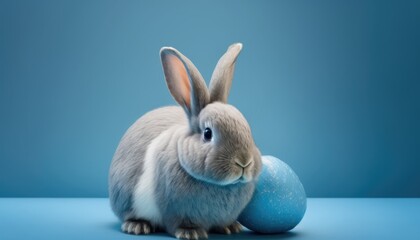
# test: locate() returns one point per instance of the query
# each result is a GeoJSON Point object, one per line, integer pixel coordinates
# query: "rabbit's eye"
{"type": "Point", "coordinates": [207, 134]}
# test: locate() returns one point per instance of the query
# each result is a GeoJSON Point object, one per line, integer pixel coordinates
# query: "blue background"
{"type": "Point", "coordinates": [330, 87]}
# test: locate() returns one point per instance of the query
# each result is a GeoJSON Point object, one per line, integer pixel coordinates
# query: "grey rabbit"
{"type": "Point", "coordinates": [189, 169]}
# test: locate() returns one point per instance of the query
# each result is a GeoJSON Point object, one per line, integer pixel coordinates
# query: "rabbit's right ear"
{"type": "Point", "coordinates": [184, 81]}
{"type": "Point", "coordinates": [221, 80]}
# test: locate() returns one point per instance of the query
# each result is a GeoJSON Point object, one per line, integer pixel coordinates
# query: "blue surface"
{"type": "Point", "coordinates": [279, 200]}
{"type": "Point", "coordinates": [40, 218]}
{"type": "Point", "coordinates": [331, 87]}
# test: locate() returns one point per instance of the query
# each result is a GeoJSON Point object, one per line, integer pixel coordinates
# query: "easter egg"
{"type": "Point", "coordinates": [279, 200]}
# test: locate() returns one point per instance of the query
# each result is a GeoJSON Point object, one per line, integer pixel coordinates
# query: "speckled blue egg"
{"type": "Point", "coordinates": [279, 201]}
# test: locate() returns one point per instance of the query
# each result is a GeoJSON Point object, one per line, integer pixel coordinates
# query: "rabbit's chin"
{"type": "Point", "coordinates": [230, 180]}
{"type": "Point", "coordinates": [222, 182]}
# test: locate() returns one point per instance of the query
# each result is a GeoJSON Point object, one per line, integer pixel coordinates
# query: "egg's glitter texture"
{"type": "Point", "coordinates": [279, 201]}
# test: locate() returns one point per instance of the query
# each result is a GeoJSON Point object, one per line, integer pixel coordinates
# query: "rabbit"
{"type": "Point", "coordinates": [189, 169]}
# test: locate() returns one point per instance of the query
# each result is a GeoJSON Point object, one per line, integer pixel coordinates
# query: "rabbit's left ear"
{"type": "Point", "coordinates": [221, 80]}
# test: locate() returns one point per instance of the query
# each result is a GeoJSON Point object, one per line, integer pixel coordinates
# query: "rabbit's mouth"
{"type": "Point", "coordinates": [246, 169]}
{"type": "Point", "coordinates": [235, 172]}
{"type": "Point", "coordinates": [241, 173]}
{"type": "Point", "coordinates": [244, 177]}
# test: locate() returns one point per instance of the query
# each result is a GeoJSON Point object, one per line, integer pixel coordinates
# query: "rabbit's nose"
{"type": "Point", "coordinates": [241, 164]}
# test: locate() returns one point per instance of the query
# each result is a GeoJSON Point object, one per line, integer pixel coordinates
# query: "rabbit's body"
{"type": "Point", "coordinates": [159, 186]}
{"type": "Point", "coordinates": [189, 169]}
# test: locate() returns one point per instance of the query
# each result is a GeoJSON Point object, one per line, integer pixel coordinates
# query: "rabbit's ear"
{"type": "Point", "coordinates": [184, 81]}
{"type": "Point", "coordinates": [221, 80]}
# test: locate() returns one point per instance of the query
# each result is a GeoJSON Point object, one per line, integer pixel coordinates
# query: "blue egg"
{"type": "Point", "coordinates": [279, 201]}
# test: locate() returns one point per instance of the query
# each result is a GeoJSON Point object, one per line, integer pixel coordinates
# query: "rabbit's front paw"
{"type": "Point", "coordinates": [235, 227]}
{"type": "Point", "coordinates": [191, 233]}
{"type": "Point", "coordinates": [136, 227]}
